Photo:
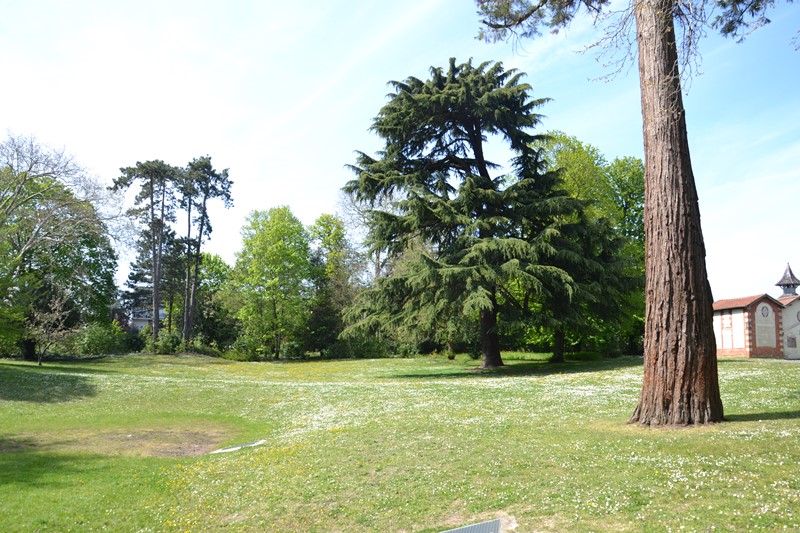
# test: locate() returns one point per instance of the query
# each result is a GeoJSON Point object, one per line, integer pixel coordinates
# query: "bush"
{"type": "Point", "coordinates": [292, 350]}
{"type": "Point", "coordinates": [197, 346]}
{"type": "Point", "coordinates": [361, 346]}
{"type": "Point", "coordinates": [168, 342]}
{"type": "Point", "coordinates": [101, 339]}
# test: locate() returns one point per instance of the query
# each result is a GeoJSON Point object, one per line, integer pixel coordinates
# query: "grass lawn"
{"type": "Point", "coordinates": [422, 444]}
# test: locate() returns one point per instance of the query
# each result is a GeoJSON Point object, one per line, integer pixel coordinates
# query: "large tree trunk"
{"type": "Point", "coordinates": [559, 344]}
{"type": "Point", "coordinates": [680, 365]}
{"type": "Point", "coordinates": [490, 339]}
{"type": "Point", "coordinates": [192, 305]}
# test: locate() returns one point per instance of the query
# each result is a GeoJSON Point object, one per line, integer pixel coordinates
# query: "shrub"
{"type": "Point", "coordinates": [361, 346]}
{"type": "Point", "coordinates": [168, 342]}
{"type": "Point", "coordinates": [100, 339]}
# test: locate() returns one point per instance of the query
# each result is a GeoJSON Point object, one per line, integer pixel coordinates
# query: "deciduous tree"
{"type": "Point", "coordinates": [55, 255]}
{"type": "Point", "coordinates": [606, 243]}
{"type": "Point", "coordinates": [271, 275]}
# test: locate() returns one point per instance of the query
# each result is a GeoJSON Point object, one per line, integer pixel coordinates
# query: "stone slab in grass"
{"type": "Point", "coordinates": [492, 526]}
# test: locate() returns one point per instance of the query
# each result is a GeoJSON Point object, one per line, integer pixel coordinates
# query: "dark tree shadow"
{"type": "Point", "coordinates": [28, 466]}
{"type": "Point", "coordinates": [19, 383]}
{"type": "Point", "coordinates": [527, 368]}
{"type": "Point", "coordinates": [758, 417]}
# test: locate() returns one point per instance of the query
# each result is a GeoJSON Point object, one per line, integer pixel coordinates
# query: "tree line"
{"type": "Point", "coordinates": [459, 253]}
{"type": "Point", "coordinates": [469, 248]}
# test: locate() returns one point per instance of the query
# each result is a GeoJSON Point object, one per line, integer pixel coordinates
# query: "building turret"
{"type": "Point", "coordinates": [789, 282]}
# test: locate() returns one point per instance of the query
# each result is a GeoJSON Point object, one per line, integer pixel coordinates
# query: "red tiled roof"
{"type": "Point", "coordinates": [736, 303]}
{"type": "Point", "coordinates": [786, 300]}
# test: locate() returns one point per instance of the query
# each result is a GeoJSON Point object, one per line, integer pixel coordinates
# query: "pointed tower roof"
{"type": "Point", "coordinates": [788, 282]}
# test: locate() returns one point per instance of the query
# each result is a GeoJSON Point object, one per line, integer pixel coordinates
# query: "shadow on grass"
{"type": "Point", "coordinates": [759, 417]}
{"type": "Point", "coordinates": [22, 383]}
{"type": "Point", "coordinates": [527, 368]}
{"type": "Point", "coordinates": [29, 467]}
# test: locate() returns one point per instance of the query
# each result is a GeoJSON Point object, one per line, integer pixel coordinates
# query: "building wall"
{"type": "Point", "coordinates": [730, 331]}
{"type": "Point", "coordinates": [791, 327]}
{"type": "Point", "coordinates": [754, 331]}
{"type": "Point", "coordinates": [765, 329]}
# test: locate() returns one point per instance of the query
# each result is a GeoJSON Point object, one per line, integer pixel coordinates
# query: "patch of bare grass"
{"type": "Point", "coordinates": [138, 442]}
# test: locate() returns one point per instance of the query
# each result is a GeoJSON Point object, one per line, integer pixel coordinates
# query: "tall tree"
{"type": "Point", "coordinates": [333, 279]}
{"type": "Point", "coordinates": [482, 229]}
{"type": "Point", "coordinates": [271, 275]}
{"type": "Point", "coordinates": [54, 241]}
{"type": "Point", "coordinates": [607, 242]}
{"type": "Point", "coordinates": [155, 207]}
{"type": "Point", "coordinates": [582, 171]}
{"type": "Point", "coordinates": [680, 384]}
{"type": "Point", "coordinates": [216, 324]}
{"type": "Point", "coordinates": [139, 293]}
{"type": "Point", "coordinates": [201, 184]}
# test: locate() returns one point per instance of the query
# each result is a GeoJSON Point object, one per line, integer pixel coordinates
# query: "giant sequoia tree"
{"type": "Point", "coordinates": [680, 380]}
{"type": "Point", "coordinates": [480, 234]}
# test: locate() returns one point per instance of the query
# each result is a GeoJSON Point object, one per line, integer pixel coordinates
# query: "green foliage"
{"type": "Point", "coordinates": [605, 251]}
{"type": "Point", "coordinates": [738, 18]}
{"type": "Point", "coordinates": [101, 339]}
{"type": "Point", "coordinates": [56, 260]}
{"type": "Point", "coordinates": [168, 342]}
{"type": "Point", "coordinates": [271, 275]}
{"type": "Point", "coordinates": [361, 346]}
{"type": "Point", "coordinates": [473, 235]}
{"type": "Point", "coordinates": [334, 271]}
{"type": "Point", "coordinates": [215, 324]}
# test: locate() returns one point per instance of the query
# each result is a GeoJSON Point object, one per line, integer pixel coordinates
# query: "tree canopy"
{"type": "Point", "coordinates": [271, 275]}
{"type": "Point", "coordinates": [56, 260]}
{"type": "Point", "coordinates": [481, 229]}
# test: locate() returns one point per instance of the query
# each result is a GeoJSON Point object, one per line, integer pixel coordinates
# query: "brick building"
{"type": "Point", "coordinates": [760, 325]}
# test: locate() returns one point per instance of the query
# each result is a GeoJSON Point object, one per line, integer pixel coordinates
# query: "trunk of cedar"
{"type": "Point", "coordinates": [170, 310]}
{"type": "Point", "coordinates": [680, 384]}
{"type": "Point", "coordinates": [559, 343]}
{"type": "Point", "coordinates": [276, 336]}
{"type": "Point", "coordinates": [451, 347]}
{"type": "Point", "coordinates": [192, 305]}
{"type": "Point", "coordinates": [490, 339]}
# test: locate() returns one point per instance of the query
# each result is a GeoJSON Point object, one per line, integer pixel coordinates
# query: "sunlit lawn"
{"type": "Point", "coordinates": [386, 445]}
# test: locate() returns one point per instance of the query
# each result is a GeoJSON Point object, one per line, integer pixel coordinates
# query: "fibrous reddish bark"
{"type": "Point", "coordinates": [680, 364]}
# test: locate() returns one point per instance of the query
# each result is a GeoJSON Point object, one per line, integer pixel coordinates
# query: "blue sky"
{"type": "Point", "coordinates": [282, 94]}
